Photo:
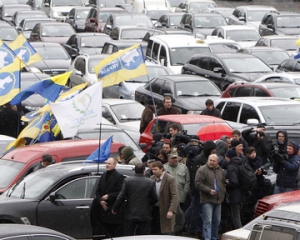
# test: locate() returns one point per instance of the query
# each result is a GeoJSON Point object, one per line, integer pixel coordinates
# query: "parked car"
{"type": "Point", "coordinates": [4, 141]}
{"type": "Point", "coordinates": [8, 10]}
{"type": "Point", "coordinates": [126, 89]}
{"type": "Point", "coordinates": [189, 93]}
{"type": "Point", "coordinates": [270, 110]}
{"type": "Point", "coordinates": [280, 23]}
{"type": "Point", "coordinates": [128, 33]}
{"type": "Point", "coordinates": [58, 197]}
{"type": "Point", "coordinates": [195, 5]}
{"type": "Point", "coordinates": [245, 36]}
{"type": "Point", "coordinates": [263, 89]}
{"type": "Point", "coordinates": [57, 32]}
{"type": "Point", "coordinates": [250, 15]}
{"type": "Point", "coordinates": [155, 11]}
{"type": "Point", "coordinates": [201, 23]}
{"type": "Point", "coordinates": [288, 43]}
{"type": "Point", "coordinates": [190, 125]}
{"type": "Point", "coordinates": [113, 46]}
{"type": "Point", "coordinates": [220, 45]}
{"type": "Point", "coordinates": [272, 56]}
{"type": "Point", "coordinates": [283, 77]}
{"type": "Point", "coordinates": [105, 3]}
{"type": "Point", "coordinates": [85, 43]}
{"type": "Point", "coordinates": [289, 65]}
{"type": "Point", "coordinates": [226, 68]}
{"type": "Point", "coordinates": [224, 11]}
{"type": "Point", "coordinates": [8, 34]}
{"type": "Point", "coordinates": [76, 18]}
{"type": "Point", "coordinates": [10, 231]}
{"type": "Point", "coordinates": [25, 14]}
{"type": "Point", "coordinates": [168, 20]}
{"type": "Point", "coordinates": [55, 59]}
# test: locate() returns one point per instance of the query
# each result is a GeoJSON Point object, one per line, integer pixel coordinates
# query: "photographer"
{"type": "Point", "coordinates": [260, 140]}
{"type": "Point", "coordinates": [286, 166]}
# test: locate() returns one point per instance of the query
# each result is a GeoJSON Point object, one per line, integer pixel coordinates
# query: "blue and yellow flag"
{"type": "Point", "coordinates": [10, 67]}
{"type": "Point", "coordinates": [49, 88]}
{"type": "Point", "coordinates": [122, 65]}
{"type": "Point", "coordinates": [102, 153]}
{"type": "Point", "coordinates": [24, 50]}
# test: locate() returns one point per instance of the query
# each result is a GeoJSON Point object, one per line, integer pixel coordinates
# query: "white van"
{"type": "Point", "coordinates": [173, 51]}
{"type": "Point", "coordinates": [142, 5]}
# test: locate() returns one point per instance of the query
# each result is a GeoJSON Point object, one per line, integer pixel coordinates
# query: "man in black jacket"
{"type": "Point", "coordinates": [109, 187]}
{"type": "Point", "coordinates": [140, 193]}
{"type": "Point", "coordinates": [210, 109]}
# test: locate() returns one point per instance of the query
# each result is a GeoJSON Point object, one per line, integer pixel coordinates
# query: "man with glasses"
{"type": "Point", "coordinates": [168, 109]}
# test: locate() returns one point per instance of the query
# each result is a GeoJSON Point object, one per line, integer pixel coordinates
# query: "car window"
{"type": "Point", "coordinates": [155, 51]}
{"type": "Point", "coordinates": [247, 113]}
{"type": "Point", "coordinates": [166, 88]}
{"type": "Point", "coordinates": [77, 189]}
{"type": "Point", "coordinates": [194, 61]}
{"type": "Point", "coordinates": [231, 111]}
{"type": "Point", "coordinates": [149, 48]}
{"type": "Point", "coordinates": [243, 92]}
{"type": "Point", "coordinates": [204, 63]}
{"type": "Point", "coordinates": [156, 85]}
{"type": "Point", "coordinates": [159, 127]}
{"type": "Point", "coordinates": [214, 63]}
{"type": "Point", "coordinates": [260, 93]}
{"type": "Point", "coordinates": [289, 66]}
{"type": "Point", "coordinates": [80, 65]}
{"type": "Point", "coordinates": [297, 67]}
{"type": "Point", "coordinates": [106, 114]}
{"type": "Point", "coordinates": [220, 106]}
{"type": "Point", "coordinates": [163, 55]}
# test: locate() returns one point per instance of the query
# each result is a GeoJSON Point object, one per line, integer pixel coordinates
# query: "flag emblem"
{"type": "Point", "coordinates": [132, 59]}
{"type": "Point", "coordinates": [81, 103]}
{"type": "Point", "coordinates": [6, 57]}
{"type": "Point", "coordinates": [23, 53]}
{"type": "Point", "coordinates": [7, 82]}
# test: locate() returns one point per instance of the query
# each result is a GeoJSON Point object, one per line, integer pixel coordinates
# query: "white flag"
{"type": "Point", "coordinates": [81, 111]}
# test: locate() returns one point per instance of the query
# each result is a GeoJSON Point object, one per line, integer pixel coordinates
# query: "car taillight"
{"type": "Point", "coordinates": [261, 208]}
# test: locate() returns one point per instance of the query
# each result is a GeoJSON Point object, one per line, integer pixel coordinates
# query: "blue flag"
{"type": "Point", "coordinates": [216, 185]}
{"type": "Point", "coordinates": [104, 152]}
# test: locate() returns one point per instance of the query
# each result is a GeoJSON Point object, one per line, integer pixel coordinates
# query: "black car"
{"type": "Point", "coordinates": [201, 23]}
{"type": "Point", "coordinates": [280, 23]}
{"type": "Point", "coordinates": [55, 61]}
{"type": "Point", "coordinates": [58, 197]}
{"type": "Point", "coordinates": [23, 231]}
{"type": "Point", "coordinates": [289, 65]}
{"type": "Point", "coordinates": [76, 18]}
{"type": "Point", "coordinates": [169, 20]}
{"type": "Point", "coordinates": [189, 93]}
{"type": "Point", "coordinates": [270, 55]}
{"type": "Point", "coordinates": [226, 68]}
{"type": "Point", "coordinates": [85, 43]}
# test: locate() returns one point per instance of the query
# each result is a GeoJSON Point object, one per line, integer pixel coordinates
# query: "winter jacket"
{"type": "Point", "coordinates": [233, 187]}
{"type": "Point", "coordinates": [205, 180]}
{"type": "Point", "coordinates": [214, 112]}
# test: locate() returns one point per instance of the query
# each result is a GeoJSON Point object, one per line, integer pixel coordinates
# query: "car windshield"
{"type": "Point", "coordinates": [10, 11]}
{"type": "Point", "coordinates": [93, 41]}
{"type": "Point", "coordinates": [153, 72]}
{"type": "Point", "coordinates": [175, 3]}
{"type": "Point", "coordinates": [291, 92]}
{"type": "Point", "coordinates": [118, 136]}
{"type": "Point", "coordinates": [56, 52]}
{"type": "Point", "coordinates": [94, 62]}
{"type": "Point", "coordinates": [133, 33]}
{"type": "Point", "coordinates": [155, 14]}
{"type": "Point", "coordinates": [110, 3]}
{"type": "Point", "coordinates": [133, 20]}
{"type": "Point", "coordinates": [288, 21]}
{"type": "Point", "coordinates": [256, 15]}
{"type": "Point", "coordinates": [8, 171]}
{"type": "Point", "coordinates": [242, 35]}
{"type": "Point", "coordinates": [199, 6]}
{"type": "Point", "coordinates": [180, 55]}
{"type": "Point", "coordinates": [82, 14]}
{"type": "Point", "coordinates": [128, 112]}
{"type": "Point", "coordinates": [271, 116]}
{"type": "Point", "coordinates": [32, 186]}
{"type": "Point", "coordinates": [196, 89]}
{"type": "Point", "coordinates": [224, 47]}
{"type": "Point", "coordinates": [57, 3]}
{"type": "Point", "coordinates": [224, 12]}
{"type": "Point", "coordinates": [29, 25]}
{"type": "Point", "coordinates": [57, 31]}
{"type": "Point", "coordinates": [246, 65]}
{"type": "Point", "coordinates": [271, 57]}
{"type": "Point", "coordinates": [286, 44]}
{"type": "Point", "coordinates": [209, 21]}
{"type": "Point", "coordinates": [175, 20]}
{"type": "Point", "coordinates": [8, 34]}
{"type": "Point", "coordinates": [103, 16]}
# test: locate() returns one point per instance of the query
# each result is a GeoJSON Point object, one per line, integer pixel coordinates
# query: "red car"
{"type": "Point", "coordinates": [189, 124]}
{"type": "Point", "coordinates": [19, 162]}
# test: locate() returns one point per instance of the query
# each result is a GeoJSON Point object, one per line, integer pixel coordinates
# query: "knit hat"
{"type": "Point", "coordinates": [207, 147]}
{"type": "Point", "coordinates": [230, 153]}
{"type": "Point", "coordinates": [234, 143]}
{"type": "Point", "coordinates": [127, 151]}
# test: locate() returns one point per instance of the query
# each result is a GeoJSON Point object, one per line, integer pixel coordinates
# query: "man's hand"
{"type": "Point", "coordinates": [169, 215]}
{"type": "Point", "coordinates": [104, 197]}
{"type": "Point", "coordinates": [213, 192]}
{"type": "Point", "coordinates": [104, 205]}
{"type": "Point", "coordinates": [113, 212]}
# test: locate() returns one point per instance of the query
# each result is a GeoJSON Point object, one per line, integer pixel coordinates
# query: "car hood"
{"type": "Point", "coordinates": [60, 40]}
{"type": "Point", "coordinates": [130, 125]}
{"type": "Point", "coordinates": [250, 77]}
{"type": "Point", "coordinates": [254, 24]}
{"type": "Point", "coordinates": [52, 64]}
{"type": "Point", "coordinates": [241, 234]}
{"type": "Point", "coordinates": [91, 51]}
{"type": "Point", "coordinates": [247, 44]}
{"type": "Point", "coordinates": [175, 69]}
{"type": "Point", "coordinates": [193, 103]}
{"type": "Point", "coordinates": [288, 31]}
{"type": "Point", "coordinates": [65, 9]}
{"type": "Point", "coordinates": [203, 31]}
{"type": "Point", "coordinates": [282, 198]}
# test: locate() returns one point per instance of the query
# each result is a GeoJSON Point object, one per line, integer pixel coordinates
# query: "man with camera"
{"type": "Point", "coordinates": [260, 140]}
{"type": "Point", "coordinates": [286, 166]}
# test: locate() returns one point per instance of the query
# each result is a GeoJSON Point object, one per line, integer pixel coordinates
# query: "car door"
{"type": "Point", "coordinates": [248, 112]}
{"type": "Point", "coordinates": [67, 209]}
{"type": "Point", "coordinates": [217, 73]}
{"type": "Point", "coordinates": [230, 111]}
{"type": "Point", "coordinates": [77, 76]}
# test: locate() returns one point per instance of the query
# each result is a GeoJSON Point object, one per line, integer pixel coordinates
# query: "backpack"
{"type": "Point", "coordinates": [247, 178]}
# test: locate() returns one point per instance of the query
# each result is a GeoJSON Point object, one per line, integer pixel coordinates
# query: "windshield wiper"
{"type": "Point", "coordinates": [186, 95]}
{"type": "Point", "coordinates": [207, 94]}
{"type": "Point", "coordinates": [12, 189]}
{"type": "Point", "coordinates": [23, 192]}
{"type": "Point", "coordinates": [130, 119]}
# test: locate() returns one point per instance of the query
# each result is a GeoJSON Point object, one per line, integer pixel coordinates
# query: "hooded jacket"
{"type": "Point", "coordinates": [282, 145]}
{"type": "Point", "coordinates": [287, 169]}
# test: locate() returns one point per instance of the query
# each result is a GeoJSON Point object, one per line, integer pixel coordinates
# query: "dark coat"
{"type": "Point", "coordinates": [233, 187]}
{"type": "Point", "coordinates": [164, 111]}
{"type": "Point", "coordinates": [112, 187]}
{"type": "Point", "coordinates": [140, 193]}
{"type": "Point", "coordinates": [146, 118]}
{"type": "Point", "coordinates": [287, 169]}
{"type": "Point", "coordinates": [10, 122]}
{"type": "Point", "coordinates": [214, 112]}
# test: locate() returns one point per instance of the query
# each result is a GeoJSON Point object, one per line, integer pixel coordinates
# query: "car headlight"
{"type": "Point", "coordinates": [56, 14]}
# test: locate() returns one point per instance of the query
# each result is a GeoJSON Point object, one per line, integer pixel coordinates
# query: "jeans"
{"type": "Point", "coordinates": [136, 228]}
{"type": "Point", "coordinates": [193, 215]}
{"type": "Point", "coordinates": [279, 189]}
{"type": "Point", "coordinates": [211, 220]}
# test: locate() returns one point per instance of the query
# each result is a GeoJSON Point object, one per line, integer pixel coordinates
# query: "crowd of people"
{"type": "Point", "coordinates": [184, 184]}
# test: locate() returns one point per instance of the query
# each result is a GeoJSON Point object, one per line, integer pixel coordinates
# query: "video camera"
{"type": "Point", "coordinates": [278, 154]}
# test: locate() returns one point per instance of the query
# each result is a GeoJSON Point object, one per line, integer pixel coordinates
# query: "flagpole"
{"type": "Point", "coordinates": [98, 167]}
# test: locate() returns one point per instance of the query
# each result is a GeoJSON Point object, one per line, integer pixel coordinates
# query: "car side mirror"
{"type": "Point", "coordinates": [46, 5]}
{"type": "Point", "coordinates": [108, 26]}
{"type": "Point", "coordinates": [270, 26]}
{"type": "Point", "coordinates": [78, 73]}
{"type": "Point", "coordinates": [52, 197]}
{"type": "Point", "coordinates": [218, 70]}
{"type": "Point", "coordinates": [34, 34]}
{"type": "Point", "coordinates": [71, 17]}
{"type": "Point", "coordinates": [187, 26]}
{"type": "Point", "coordinates": [252, 121]}
{"type": "Point", "coordinates": [242, 19]}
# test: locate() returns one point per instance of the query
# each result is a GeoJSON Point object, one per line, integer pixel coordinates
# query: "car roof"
{"type": "Point", "coordinates": [200, 1]}
{"type": "Point", "coordinates": [180, 40]}
{"type": "Point", "coordinates": [226, 55]}
{"type": "Point", "coordinates": [268, 85]}
{"type": "Point", "coordinates": [280, 37]}
{"type": "Point", "coordinates": [46, 44]}
{"type": "Point", "coordinates": [258, 7]}
{"type": "Point", "coordinates": [215, 39]}
{"type": "Point", "coordinates": [264, 48]}
{"type": "Point", "coordinates": [113, 101]}
{"type": "Point", "coordinates": [54, 23]}
{"type": "Point", "coordinates": [236, 27]}
{"type": "Point", "coordinates": [259, 101]}
{"type": "Point", "coordinates": [82, 34]}
{"type": "Point", "coordinates": [110, 9]}
{"type": "Point", "coordinates": [182, 77]}
{"type": "Point", "coordinates": [287, 13]}
{"type": "Point", "coordinates": [125, 43]}
{"type": "Point", "coordinates": [81, 8]}
{"type": "Point", "coordinates": [183, 119]}
{"type": "Point", "coordinates": [196, 14]}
